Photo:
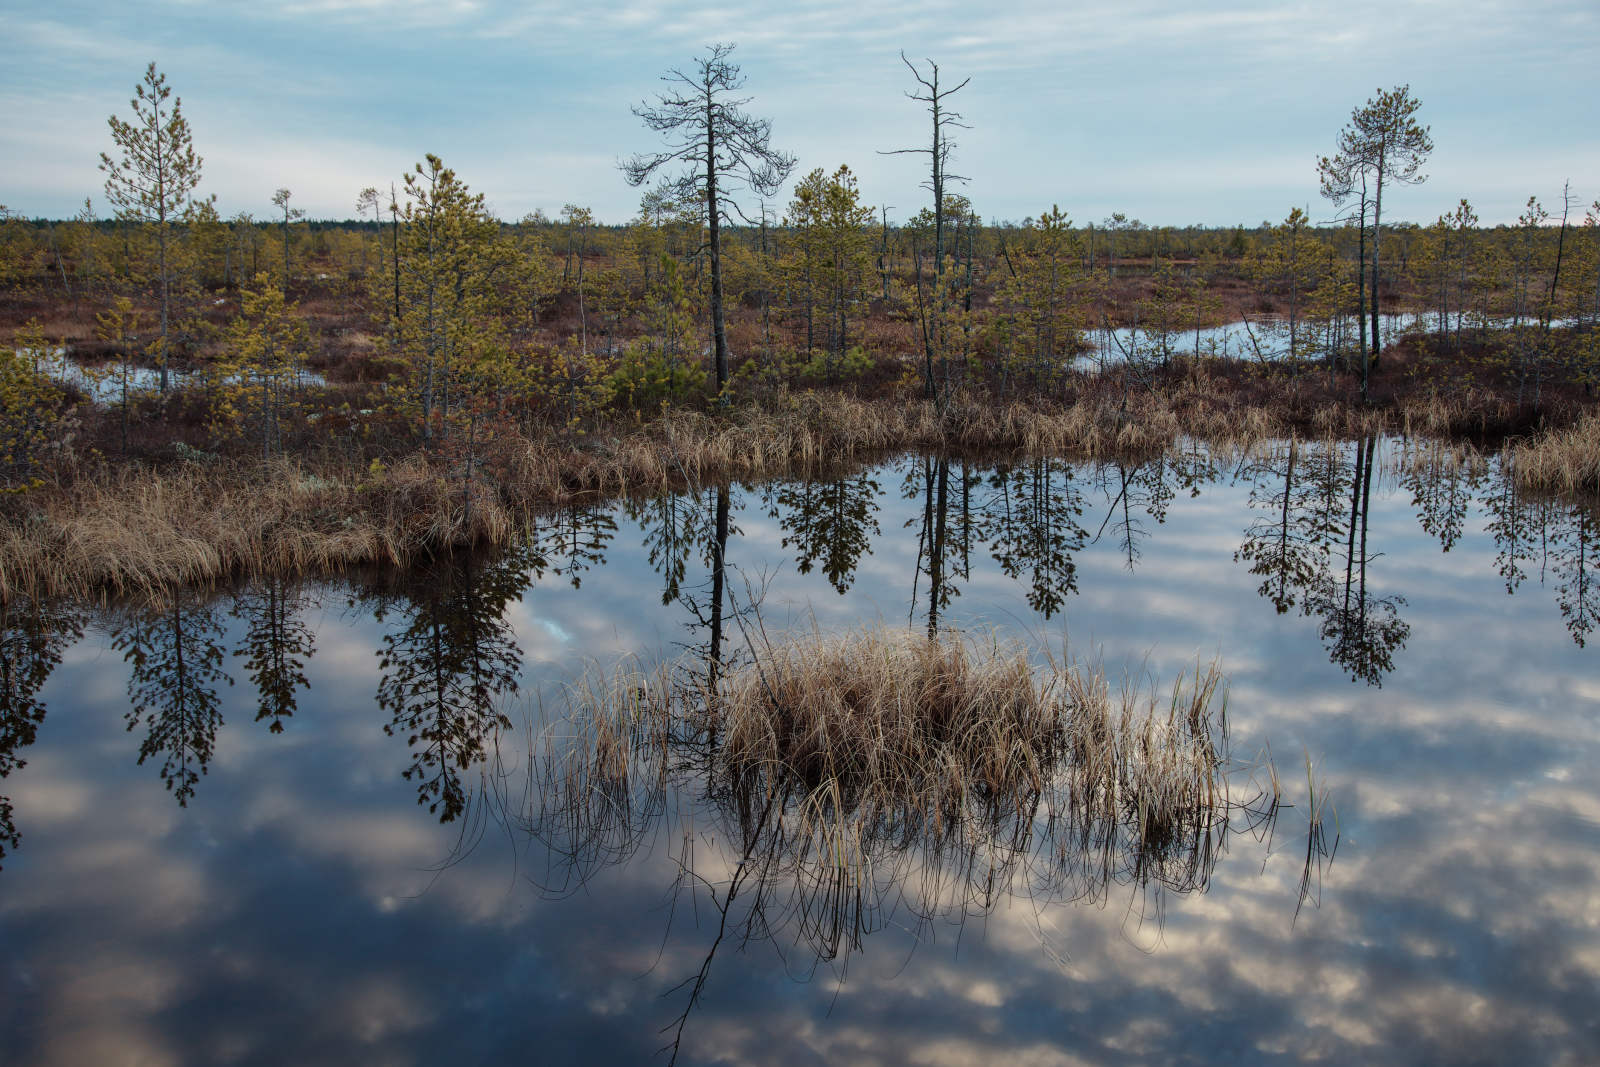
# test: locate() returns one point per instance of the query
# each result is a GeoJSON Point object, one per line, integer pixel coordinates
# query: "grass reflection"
{"type": "Point", "coordinates": [828, 785]}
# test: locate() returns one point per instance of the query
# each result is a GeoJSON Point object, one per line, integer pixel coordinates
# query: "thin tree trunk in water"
{"type": "Point", "coordinates": [936, 549]}
{"type": "Point", "coordinates": [719, 333]}
{"type": "Point", "coordinates": [925, 535]}
{"type": "Point", "coordinates": [1283, 528]}
{"type": "Point", "coordinates": [1366, 510]}
{"type": "Point", "coordinates": [718, 557]}
{"type": "Point", "coordinates": [1377, 236]}
{"type": "Point", "coordinates": [1355, 511]}
{"type": "Point", "coordinates": [966, 524]}
{"type": "Point", "coordinates": [1361, 296]}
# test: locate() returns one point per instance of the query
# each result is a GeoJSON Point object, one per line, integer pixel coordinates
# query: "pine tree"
{"type": "Point", "coordinates": [267, 350]}
{"type": "Point", "coordinates": [720, 147]}
{"type": "Point", "coordinates": [451, 260]}
{"type": "Point", "coordinates": [154, 181]}
{"type": "Point", "coordinates": [1383, 142]}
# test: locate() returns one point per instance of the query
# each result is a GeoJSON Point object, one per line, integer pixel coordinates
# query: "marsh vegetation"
{"type": "Point", "coordinates": [676, 776]}
{"type": "Point", "coordinates": [427, 376]}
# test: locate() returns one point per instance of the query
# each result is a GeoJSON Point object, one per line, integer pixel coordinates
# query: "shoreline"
{"type": "Point", "coordinates": [100, 526]}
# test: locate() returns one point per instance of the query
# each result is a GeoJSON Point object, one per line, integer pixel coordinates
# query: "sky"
{"type": "Point", "coordinates": [1169, 112]}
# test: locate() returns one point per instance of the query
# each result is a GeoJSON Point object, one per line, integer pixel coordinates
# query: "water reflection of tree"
{"type": "Point", "coordinates": [448, 665]}
{"type": "Point", "coordinates": [674, 525]}
{"type": "Point", "coordinates": [1441, 483]}
{"type": "Point", "coordinates": [1134, 491]}
{"type": "Point", "coordinates": [277, 643]}
{"type": "Point", "coordinates": [1028, 513]}
{"type": "Point", "coordinates": [1559, 537]}
{"type": "Point", "coordinates": [942, 553]}
{"type": "Point", "coordinates": [33, 634]}
{"type": "Point", "coordinates": [1030, 521]}
{"type": "Point", "coordinates": [712, 616]}
{"type": "Point", "coordinates": [172, 639]}
{"type": "Point", "coordinates": [1575, 563]}
{"type": "Point", "coordinates": [1362, 630]}
{"type": "Point", "coordinates": [831, 521]}
{"type": "Point", "coordinates": [1317, 501]}
{"type": "Point", "coordinates": [571, 541]}
{"type": "Point", "coordinates": [1299, 487]}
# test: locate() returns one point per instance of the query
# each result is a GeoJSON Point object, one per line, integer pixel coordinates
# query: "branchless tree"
{"type": "Point", "coordinates": [280, 200]}
{"type": "Point", "coordinates": [720, 148]}
{"type": "Point", "coordinates": [1383, 142]}
{"type": "Point", "coordinates": [938, 153]}
{"type": "Point", "coordinates": [153, 181]}
{"type": "Point", "coordinates": [371, 200]}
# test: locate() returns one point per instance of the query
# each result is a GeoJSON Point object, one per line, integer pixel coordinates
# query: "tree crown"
{"type": "Point", "coordinates": [158, 170]}
{"type": "Point", "coordinates": [1382, 141]}
{"type": "Point", "coordinates": [708, 131]}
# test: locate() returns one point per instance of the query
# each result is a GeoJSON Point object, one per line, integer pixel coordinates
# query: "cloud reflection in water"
{"type": "Point", "coordinates": [295, 912]}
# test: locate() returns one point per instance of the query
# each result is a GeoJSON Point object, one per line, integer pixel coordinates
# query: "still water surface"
{"type": "Point", "coordinates": [1421, 636]}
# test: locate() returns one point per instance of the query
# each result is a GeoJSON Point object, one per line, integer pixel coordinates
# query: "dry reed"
{"type": "Point", "coordinates": [1566, 460]}
{"type": "Point", "coordinates": [832, 784]}
{"type": "Point", "coordinates": [138, 527]}
{"type": "Point", "coordinates": [848, 759]}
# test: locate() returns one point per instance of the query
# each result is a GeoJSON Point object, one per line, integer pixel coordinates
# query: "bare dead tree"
{"type": "Point", "coordinates": [721, 148]}
{"type": "Point", "coordinates": [938, 152]}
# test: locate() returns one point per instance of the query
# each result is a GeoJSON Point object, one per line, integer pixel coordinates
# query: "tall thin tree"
{"type": "Point", "coordinates": [280, 200]}
{"type": "Point", "coordinates": [938, 152]}
{"type": "Point", "coordinates": [1384, 142]}
{"type": "Point", "coordinates": [156, 177]}
{"type": "Point", "coordinates": [721, 147]}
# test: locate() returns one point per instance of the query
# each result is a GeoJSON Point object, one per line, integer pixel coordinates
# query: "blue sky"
{"type": "Point", "coordinates": [1171, 112]}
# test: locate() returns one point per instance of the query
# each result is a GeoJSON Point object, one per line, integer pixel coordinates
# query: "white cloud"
{"type": "Point", "coordinates": [1167, 112]}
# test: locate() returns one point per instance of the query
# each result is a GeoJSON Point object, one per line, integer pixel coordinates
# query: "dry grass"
{"type": "Point", "coordinates": [852, 765]}
{"type": "Point", "coordinates": [133, 526]}
{"type": "Point", "coordinates": [1565, 460]}
{"type": "Point", "coordinates": [834, 784]}
{"type": "Point", "coordinates": [139, 529]}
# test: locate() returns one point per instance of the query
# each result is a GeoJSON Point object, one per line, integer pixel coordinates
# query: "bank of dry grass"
{"type": "Point", "coordinates": [110, 526]}
{"type": "Point", "coordinates": [1565, 460]}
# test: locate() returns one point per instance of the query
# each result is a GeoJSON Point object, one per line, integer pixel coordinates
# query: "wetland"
{"type": "Point", "coordinates": [1290, 754]}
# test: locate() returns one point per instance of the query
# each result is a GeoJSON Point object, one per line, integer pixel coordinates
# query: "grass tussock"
{"type": "Point", "coordinates": [859, 759]}
{"type": "Point", "coordinates": [139, 530]}
{"type": "Point", "coordinates": [1565, 460]}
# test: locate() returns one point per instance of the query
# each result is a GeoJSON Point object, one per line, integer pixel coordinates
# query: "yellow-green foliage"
{"type": "Point", "coordinates": [576, 384]}
{"type": "Point", "coordinates": [831, 257]}
{"type": "Point", "coordinates": [266, 353]}
{"type": "Point", "coordinates": [646, 379]}
{"type": "Point", "coordinates": [824, 367]}
{"type": "Point", "coordinates": [30, 408]}
{"type": "Point", "coordinates": [1291, 266]}
{"type": "Point", "coordinates": [18, 252]}
{"type": "Point", "coordinates": [1040, 324]}
{"type": "Point", "coordinates": [452, 261]}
